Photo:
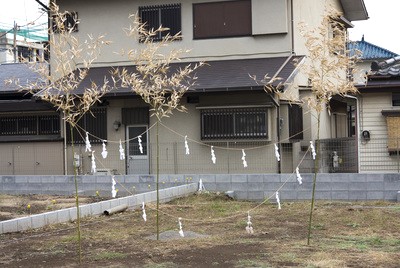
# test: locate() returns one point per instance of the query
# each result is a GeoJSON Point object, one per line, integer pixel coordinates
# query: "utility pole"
{"type": "Point", "coordinates": [15, 42]}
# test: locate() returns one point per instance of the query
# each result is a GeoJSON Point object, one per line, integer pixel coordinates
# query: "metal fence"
{"type": "Point", "coordinates": [343, 155]}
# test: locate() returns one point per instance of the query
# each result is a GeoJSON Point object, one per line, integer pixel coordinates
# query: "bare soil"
{"type": "Point", "coordinates": [355, 234]}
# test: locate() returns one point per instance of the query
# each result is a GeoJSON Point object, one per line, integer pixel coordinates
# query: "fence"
{"type": "Point", "coordinates": [343, 155]}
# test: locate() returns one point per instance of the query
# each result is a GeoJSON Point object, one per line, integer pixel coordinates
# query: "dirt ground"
{"type": "Point", "coordinates": [343, 235]}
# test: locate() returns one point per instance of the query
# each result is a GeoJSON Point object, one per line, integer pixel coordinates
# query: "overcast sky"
{"type": "Point", "coordinates": [380, 29]}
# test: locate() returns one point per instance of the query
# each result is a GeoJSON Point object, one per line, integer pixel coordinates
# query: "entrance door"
{"type": "Point", "coordinates": [138, 162]}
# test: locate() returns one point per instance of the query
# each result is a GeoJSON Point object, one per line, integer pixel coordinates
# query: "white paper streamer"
{"type": "Point", "coordinates": [299, 178]}
{"type": "Point", "coordinates": [113, 191]}
{"type": "Point", "coordinates": [249, 227]}
{"type": "Point", "coordinates": [140, 143]}
{"type": "Point", "coordinates": [186, 146]}
{"type": "Point", "coordinates": [87, 143]}
{"type": "Point", "coordinates": [180, 228]}
{"type": "Point", "coordinates": [278, 157]}
{"type": "Point", "coordinates": [94, 168]}
{"type": "Point", "coordinates": [144, 216]}
{"type": "Point", "coordinates": [104, 153]}
{"type": "Point", "coordinates": [201, 186]}
{"type": "Point", "coordinates": [121, 151]}
{"type": "Point", "coordinates": [278, 200]}
{"type": "Point", "coordinates": [244, 158]}
{"type": "Point", "coordinates": [314, 154]}
{"type": "Point", "coordinates": [213, 158]}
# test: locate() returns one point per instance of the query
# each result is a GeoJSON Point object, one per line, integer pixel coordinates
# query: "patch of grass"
{"type": "Point", "coordinates": [108, 255]}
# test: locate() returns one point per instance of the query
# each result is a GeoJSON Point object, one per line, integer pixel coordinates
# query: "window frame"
{"type": "Point", "coordinates": [224, 123]}
{"type": "Point", "coordinates": [395, 99]}
{"type": "Point", "coordinates": [71, 18]}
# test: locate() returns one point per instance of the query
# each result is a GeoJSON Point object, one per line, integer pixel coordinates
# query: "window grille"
{"type": "Point", "coordinates": [238, 123]}
{"type": "Point", "coordinates": [30, 125]}
{"type": "Point", "coordinates": [167, 16]}
{"type": "Point", "coordinates": [94, 122]}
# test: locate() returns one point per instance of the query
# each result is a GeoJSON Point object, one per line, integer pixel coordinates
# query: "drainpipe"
{"type": "Point", "coordinates": [357, 130]}
{"type": "Point", "coordinates": [65, 148]}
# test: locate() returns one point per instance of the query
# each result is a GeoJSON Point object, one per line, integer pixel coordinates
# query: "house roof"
{"type": "Point", "coordinates": [221, 75]}
{"type": "Point", "coordinates": [370, 51]}
{"type": "Point", "coordinates": [16, 71]}
{"type": "Point", "coordinates": [354, 9]}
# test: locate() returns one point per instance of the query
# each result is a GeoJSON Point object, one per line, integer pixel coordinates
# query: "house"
{"type": "Point", "coordinates": [30, 130]}
{"type": "Point", "coordinates": [226, 108]}
{"type": "Point", "coordinates": [379, 103]}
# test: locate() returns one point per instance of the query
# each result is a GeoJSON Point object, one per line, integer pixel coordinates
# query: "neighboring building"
{"type": "Point", "coordinates": [30, 130]}
{"type": "Point", "coordinates": [379, 102]}
{"type": "Point", "coordinates": [20, 51]}
{"type": "Point", "coordinates": [226, 108]}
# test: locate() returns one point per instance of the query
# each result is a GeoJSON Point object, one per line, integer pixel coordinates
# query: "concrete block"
{"type": "Point", "coordinates": [51, 217]}
{"type": "Point", "coordinates": [357, 195]}
{"type": "Point", "coordinates": [147, 179]}
{"type": "Point", "coordinates": [38, 221]}
{"type": "Point", "coordinates": [392, 178]}
{"type": "Point", "coordinates": [287, 195]}
{"type": "Point", "coordinates": [255, 195]}
{"type": "Point", "coordinates": [289, 186]}
{"type": "Point", "coordinates": [21, 179]}
{"type": "Point", "coordinates": [272, 186]}
{"type": "Point", "coordinates": [10, 226]}
{"type": "Point", "coordinates": [375, 186]}
{"type": "Point", "coordinates": [119, 178]}
{"type": "Point", "coordinates": [304, 195]}
{"type": "Point", "coordinates": [241, 195]}
{"type": "Point", "coordinates": [224, 186]}
{"type": "Point", "coordinates": [323, 186]}
{"type": "Point", "coordinates": [47, 179]}
{"type": "Point", "coordinates": [208, 178]}
{"type": "Point", "coordinates": [237, 178]}
{"type": "Point", "coordinates": [355, 177]}
{"type": "Point", "coordinates": [72, 214]}
{"type": "Point", "coordinates": [61, 179]}
{"type": "Point", "coordinates": [63, 215]}
{"type": "Point", "coordinates": [358, 186]}
{"type": "Point", "coordinates": [255, 178]}
{"type": "Point", "coordinates": [192, 177]}
{"type": "Point", "coordinates": [96, 209]}
{"type": "Point", "coordinates": [85, 210]}
{"type": "Point", "coordinates": [340, 195]}
{"type": "Point", "coordinates": [323, 177]}
{"type": "Point", "coordinates": [375, 195]}
{"type": "Point", "coordinates": [8, 179]}
{"type": "Point", "coordinates": [104, 179]}
{"type": "Point", "coordinates": [391, 185]}
{"type": "Point", "coordinates": [1, 227]}
{"type": "Point", "coordinates": [89, 180]}
{"type": "Point", "coordinates": [390, 195]}
{"type": "Point", "coordinates": [340, 186]}
{"type": "Point", "coordinates": [272, 178]}
{"type": "Point", "coordinates": [23, 224]}
{"type": "Point", "coordinates": [132, 179]}
{"type": "Point", "coordinates": [238, 186]}
{"type": "Point", "coordinates": [105, 205]}
{"type": "Point", "coordinates": [339, 177]}
{"type": "Point", "coordinates": [139, 199]}
{"type": "Point", "coordinates": [114, 202]}
{"type": "Point", "coordinates": [34, 179]}
{"type": "Point", "coordinates": [323, 195]}
{"type": "Point", "coordinates": [398, 196]}
{"type": "Point", "coordinates": [374, 177]}
{"type": "Point", "coordinates": [210, 187]}
{"type": "Point", "coordinates": [220, 178]}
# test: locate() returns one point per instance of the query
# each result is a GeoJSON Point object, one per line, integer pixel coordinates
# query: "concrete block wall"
{"type": "Point", "coordinates": [69, 214]}
{"type": "Point", "coordinates": [330, 186]}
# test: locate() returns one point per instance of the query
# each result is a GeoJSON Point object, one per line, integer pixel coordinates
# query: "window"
{"type": "Point", "coordinates": [295, 122]}
{"type": "Point", "coordinates": [95, 123]}
{"type": "Point", "coordinates": [238, 123]}
{"type": "Point", "coordinates": [167, 16]}
{"type": "Point", "coordinates": [30, 125]}
{"type": "Point", "coordinates": [395, 99]}
{"type": "Point", "coordinates": [67, 21]}
{"type": "Point", "coordinates": [222, 19]}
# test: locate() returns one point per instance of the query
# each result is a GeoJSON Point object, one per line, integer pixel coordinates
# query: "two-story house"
{"type": "Point", "coordinates": [227, 109]}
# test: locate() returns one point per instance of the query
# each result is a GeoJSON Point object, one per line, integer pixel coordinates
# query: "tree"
{"type": "Point", "coordinates": [158, 83]}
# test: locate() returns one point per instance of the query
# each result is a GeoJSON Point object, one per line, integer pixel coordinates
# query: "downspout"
{"type": "Point", "coordinates": [65, 148]}
{"type": "Point", "coordinates": [292, 25]}
{"type": "Point", "coordinates": [357, 130]}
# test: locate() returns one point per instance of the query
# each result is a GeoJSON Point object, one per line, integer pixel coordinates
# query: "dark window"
{"type": "Point", "coordinates": [243, 123]}
{"type": "Point", "coordinates": [396, 99]}
{"type": "Point", "coordinates": [25, 53]}
{"type": "Point", "coordinates": [30, 125]}
{"type": "Point", "coordinates": [222, 19]}
{"type": "Point", "coordinates": [95, 123]}
{"type": "Point", "coordinates": [295, 122]}
{"type": "Point", "coordinates": [167, 16]}
{"type": "Point", "coordinates": [68, 21]}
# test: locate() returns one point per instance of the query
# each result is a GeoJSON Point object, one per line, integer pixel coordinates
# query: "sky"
{"type": "Point", "coordinates": [380, 29]}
